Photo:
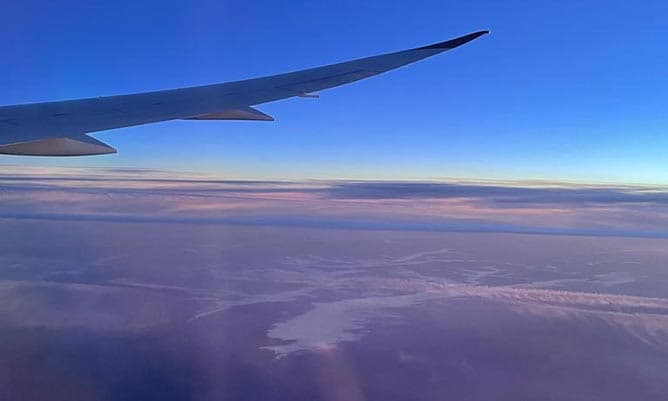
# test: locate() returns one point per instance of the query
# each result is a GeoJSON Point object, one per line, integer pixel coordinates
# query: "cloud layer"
{"type": "Point", "coordinates": [131, 195]}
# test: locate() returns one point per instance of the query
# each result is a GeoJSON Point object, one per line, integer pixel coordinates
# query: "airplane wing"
{"type": "Point", "coordinates": [61, 128]}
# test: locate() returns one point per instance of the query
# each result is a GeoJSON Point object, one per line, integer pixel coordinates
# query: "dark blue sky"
{"type": "Point", "coordinates": [561, 90]}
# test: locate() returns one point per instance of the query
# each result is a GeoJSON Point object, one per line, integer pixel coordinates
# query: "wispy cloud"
{"type": "Point", "coordinates": [495, 194]}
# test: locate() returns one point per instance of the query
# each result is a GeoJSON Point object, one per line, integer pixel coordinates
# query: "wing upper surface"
{"type": "Point", "coordinates": [31, 122]}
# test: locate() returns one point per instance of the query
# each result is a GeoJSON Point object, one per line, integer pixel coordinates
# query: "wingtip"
{"type": "Point", "coordinates": [456, 42]}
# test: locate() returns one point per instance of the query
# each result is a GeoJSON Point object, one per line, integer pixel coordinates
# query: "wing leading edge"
{"type": "Point", "coordinates": [56, 125]}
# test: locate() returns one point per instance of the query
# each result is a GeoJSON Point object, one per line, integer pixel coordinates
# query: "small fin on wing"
{"type": "Point", "coordinates": [78, 145]}
{"type": "Point", "coordinates": [244, 113]}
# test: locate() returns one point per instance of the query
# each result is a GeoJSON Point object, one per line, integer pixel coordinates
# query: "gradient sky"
{"type": "Point", "coordinates": [561, 90]}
